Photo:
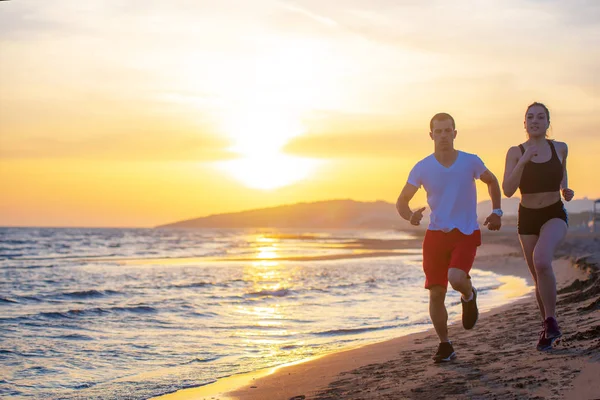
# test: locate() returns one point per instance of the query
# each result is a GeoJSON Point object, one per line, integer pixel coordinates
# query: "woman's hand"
{"type": "Point", "coordinates": [568, 194]}
{"type": "Point", "coordinates": [530, 152]}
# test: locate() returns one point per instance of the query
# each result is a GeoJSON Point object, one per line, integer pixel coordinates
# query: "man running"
{"type": "Point", "coordinates": [450, 244]}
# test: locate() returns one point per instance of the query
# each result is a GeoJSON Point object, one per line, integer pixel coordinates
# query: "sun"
{"type": "Point", "coordinates": [264, 105]}
{"type": "Point", "coordinates": [258, 137]}
{"type": "Point", "coordinates": [269, 171]}
{"type": "Point", "coordinates": [262, 130]}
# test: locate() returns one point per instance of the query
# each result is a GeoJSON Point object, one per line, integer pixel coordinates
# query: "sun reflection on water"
{"type": "Point", "coordinates": [267, 252]}
{"type": "Point", "coordinates": [267, 248]}
{"type": "Point", "coordinates": [268, 280]}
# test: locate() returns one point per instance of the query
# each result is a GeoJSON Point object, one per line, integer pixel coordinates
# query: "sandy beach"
{"type": "Point", "coordinates": [496, 360]}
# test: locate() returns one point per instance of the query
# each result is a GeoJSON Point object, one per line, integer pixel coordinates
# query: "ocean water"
{"type": "Point", "coordinates": [135, 313]}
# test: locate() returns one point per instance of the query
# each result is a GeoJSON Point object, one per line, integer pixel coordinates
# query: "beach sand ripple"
{"type": "Point", "coordinates": [498, 360]}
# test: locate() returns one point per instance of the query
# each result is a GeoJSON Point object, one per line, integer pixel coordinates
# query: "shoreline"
{"type": "Point", "coordinates": [496, 360]}
{"type": "Point", "coordinates": [283, 381]}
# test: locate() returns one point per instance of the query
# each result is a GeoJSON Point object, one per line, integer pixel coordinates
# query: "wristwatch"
{"type": "Point", "coordinates": [498, 212]}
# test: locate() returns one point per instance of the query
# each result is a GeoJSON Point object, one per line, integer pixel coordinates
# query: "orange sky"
{"type": "Point", "coordinates": [141, 113]}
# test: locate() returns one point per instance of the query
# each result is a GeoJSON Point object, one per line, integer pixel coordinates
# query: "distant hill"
{"type": "Point", "coordinates": [338, 214]}
{"type": "Point", "coordinates": [322, 214]}
{"type": "Point", "coordinates": [332, 214]}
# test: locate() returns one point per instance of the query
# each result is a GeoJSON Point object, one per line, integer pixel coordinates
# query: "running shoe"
{"type": "Point", "coordinates": [549, 335]}
{"type": "Point", "coordinates": [470, 312]}
{"type": "Point", "coordinates": [543, 343]}
{"type": "Point", "coordinates": [552, 330]}
{"type": "Point", "coordinates": [444, 353]}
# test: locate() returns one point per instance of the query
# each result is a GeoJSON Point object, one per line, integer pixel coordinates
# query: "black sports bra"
{"type": "Point", "coordinates": [542, 177]}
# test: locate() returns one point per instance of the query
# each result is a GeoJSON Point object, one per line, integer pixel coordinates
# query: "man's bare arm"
{"type": "Point", "coordinates": [493, 221]}
{"type": "Point", "coordinates": [408, 192]}
{"type": "Point", "coordinates": [493, 188]}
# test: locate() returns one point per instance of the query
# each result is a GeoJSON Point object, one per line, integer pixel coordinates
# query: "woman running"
{"type": "Point", "coordinates": [538, 168]}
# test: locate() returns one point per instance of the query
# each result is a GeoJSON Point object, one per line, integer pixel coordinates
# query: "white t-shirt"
{"type": "Point", "coordinates": [451, 192]}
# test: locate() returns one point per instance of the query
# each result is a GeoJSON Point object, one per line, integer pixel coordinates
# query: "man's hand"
{"type": "Point", "coordinates": [568, 194]}
{"type": "Point", "coordinates": [417, 216]}
{"type": "Point", "coordinates": [493, 222]}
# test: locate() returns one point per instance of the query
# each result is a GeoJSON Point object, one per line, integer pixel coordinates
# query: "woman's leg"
{"type": "Point", "coordinates": [528, 243]}
{"type": "Point", "coordinates": [551, 234]}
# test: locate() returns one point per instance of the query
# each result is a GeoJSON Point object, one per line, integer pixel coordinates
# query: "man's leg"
{"type": "Point", "coordinates": [463, 256]}
{"type": "Point", "coordinates": [437, 311]}
{"type": "Point", "coordinates": [436, 258]}
{"type": "Point", "coordinates": [460, 281]}
{"type": "Point", "coordinates": [439, 317]}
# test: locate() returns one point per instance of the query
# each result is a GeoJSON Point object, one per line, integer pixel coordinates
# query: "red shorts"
{"type": "Point", "coordinates": [445, 250]}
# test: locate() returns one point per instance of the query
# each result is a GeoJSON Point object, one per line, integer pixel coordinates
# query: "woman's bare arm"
{"type": "Point", "coordinates": [513, 170]}
{"type": "Point", "coordinates": [567, 193]}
